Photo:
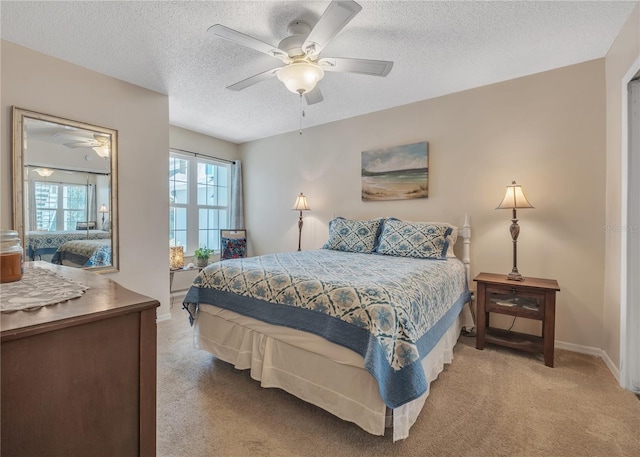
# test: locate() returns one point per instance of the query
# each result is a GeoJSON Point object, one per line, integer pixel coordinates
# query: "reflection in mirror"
{"type": "Point", "coordinates": [65, 198]}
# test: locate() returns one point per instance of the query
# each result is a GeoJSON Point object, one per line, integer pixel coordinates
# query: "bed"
{"type": "Point", "coordinates": [39, 243]}
{"type": "Point", "coordinates": [359, 328]}
{"type": "Point", "coordinates": [84, 253]}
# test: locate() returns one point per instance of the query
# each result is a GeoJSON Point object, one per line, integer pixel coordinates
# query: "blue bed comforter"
{"type": "Point", "coordinates": [390, 310]}
{"type": "Point", "coordinates": [84, 253]}
{"type": "Point", "coordinates": [40, 243]}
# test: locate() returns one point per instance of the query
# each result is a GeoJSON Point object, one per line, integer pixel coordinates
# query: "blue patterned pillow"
{"type": "Point", "coordinates": [414, 239]}
{"type": "Point", "coordinates": [233, 248]}
{"type": "Point", "coordinates": [353, 236]}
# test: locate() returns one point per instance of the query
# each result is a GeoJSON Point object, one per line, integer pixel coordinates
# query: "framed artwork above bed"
{"type": "Point", "coordinates": [396, 173]}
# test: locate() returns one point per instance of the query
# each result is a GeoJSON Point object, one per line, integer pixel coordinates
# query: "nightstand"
{"type": "Point", "coordinates": [172, 271]}
{"type": "Point", "coordinates": [533, 298]}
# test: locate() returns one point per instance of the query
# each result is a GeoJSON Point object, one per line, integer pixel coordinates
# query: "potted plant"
{"type": "Point", "coordinates": [202, 256]}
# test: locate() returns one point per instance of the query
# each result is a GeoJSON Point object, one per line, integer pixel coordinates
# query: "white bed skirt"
{"type": "Point", "coordinates": [312, 368]}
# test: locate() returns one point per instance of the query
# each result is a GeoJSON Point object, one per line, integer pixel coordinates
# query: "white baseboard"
{"type": "Point", "coordinates": [579, 348]}
{"type": "Point", "coordinates": [591, 351]}
{"type": "Point", "coordinates": [175, 300]}
{"type": "Point", "coordinates": [612, 368]}
{"type": "Point", "coordinates": [163, 317]}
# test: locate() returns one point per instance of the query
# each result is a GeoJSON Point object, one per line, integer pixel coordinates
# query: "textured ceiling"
{"type": "Point", "coordinates": [437, 47]}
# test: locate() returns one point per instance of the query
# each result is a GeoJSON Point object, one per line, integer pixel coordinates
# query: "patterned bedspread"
{"type": "Point", "coordinates": [38, 243]}
{"type": "Point", "coordinates": [390, 310]}
{"type": "Point", "coordinates": [84, 253]}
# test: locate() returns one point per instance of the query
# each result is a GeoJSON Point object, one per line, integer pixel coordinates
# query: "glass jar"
{"type": "Point", "coordinates": [10, 256]}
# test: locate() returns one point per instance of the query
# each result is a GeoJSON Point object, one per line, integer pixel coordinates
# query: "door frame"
{"type": "Point", "coordinates": [629, 379]}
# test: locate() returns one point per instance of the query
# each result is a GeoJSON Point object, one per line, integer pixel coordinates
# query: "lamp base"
{"type": "Point", "coordinates": [515, 276]}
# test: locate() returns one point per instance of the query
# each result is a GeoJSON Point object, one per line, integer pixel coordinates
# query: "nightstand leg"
{"type": "Point", "coordinates": [481, 316]}
{"type": "Point", "coordinates": [548, 331]}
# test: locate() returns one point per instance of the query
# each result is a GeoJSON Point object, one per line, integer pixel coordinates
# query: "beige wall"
{"type": "Point", "coordinates": [619, 60]}
{"type": "Point", "coordinates": [546, 131]}
{"type": "Point", "coordinates": [188, 140]}
{"type": "Point", "coordinates": [38, 82]}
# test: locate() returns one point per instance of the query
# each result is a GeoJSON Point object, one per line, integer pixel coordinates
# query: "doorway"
{"type": "Point", "coordinates": [630, 242]}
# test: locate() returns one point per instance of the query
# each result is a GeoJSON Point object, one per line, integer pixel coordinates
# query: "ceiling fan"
{"type": "Point", "coordinates": [99, 143]}
{"type": "Point", "coordinates": [300, 52]}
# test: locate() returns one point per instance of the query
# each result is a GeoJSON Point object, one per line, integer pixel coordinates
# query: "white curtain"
{"type": "Point", "coordinates": [91, 203]}
{"type": "Point", "coordinates": [31, 222]}
{"type": "Point", "coordinates": [237, 204]}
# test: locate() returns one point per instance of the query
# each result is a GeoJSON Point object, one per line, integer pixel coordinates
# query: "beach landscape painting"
{"type": "Point", "coordinates": [397, 173]}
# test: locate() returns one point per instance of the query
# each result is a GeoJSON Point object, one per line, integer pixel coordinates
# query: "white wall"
{"type": "Point", "coordinates": [546, 131]}
{"type": "Point", "coordinates": [41, 83]}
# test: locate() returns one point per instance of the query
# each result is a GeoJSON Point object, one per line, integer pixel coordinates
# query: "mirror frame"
{"type": "Point", "coordinates": [19, 116]}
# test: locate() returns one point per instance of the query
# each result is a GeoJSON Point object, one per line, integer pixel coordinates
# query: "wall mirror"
{"type": "Point", "coordinates": [65, 190]}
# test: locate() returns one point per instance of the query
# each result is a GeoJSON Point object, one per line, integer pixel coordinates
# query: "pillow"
{"type": "Point", "coordinates": [233, 248]}
{"type": "Point", "coordinates": [352, 235]}
{"type": "Point", "coordinates": [451, 238]}
{"type": "Point", "coordinates": [424, 240]}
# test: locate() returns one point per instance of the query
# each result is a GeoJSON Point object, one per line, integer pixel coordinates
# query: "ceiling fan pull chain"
{"type": "Point", "coordinates": [301, 113]}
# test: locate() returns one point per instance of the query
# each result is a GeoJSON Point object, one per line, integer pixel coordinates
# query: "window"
{"type": "Point", "coordinates": [199, 201]}
{"type": "Point", "coordinates": [59, 206]}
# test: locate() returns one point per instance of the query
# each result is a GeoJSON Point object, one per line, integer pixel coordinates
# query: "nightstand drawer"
{"type": "Point", "coordinates": [515, 301]}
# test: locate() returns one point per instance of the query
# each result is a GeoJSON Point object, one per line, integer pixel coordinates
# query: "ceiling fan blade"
{"type": "Point", "coordinates": [362, 66]}
{"type": "Point", "coordinates": [336, 16]}
{"type": "Point", "coordinates": [253, 79]}
{"type": "Point", "coordinates": [86, 144]}
{"type": "Point", "coordinates": [247, 41]}
{"type": "Point", "coordinates": [313, 97]}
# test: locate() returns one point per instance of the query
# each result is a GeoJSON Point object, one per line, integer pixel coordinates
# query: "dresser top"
{"type": "Point", "coordinates": [104, 299]}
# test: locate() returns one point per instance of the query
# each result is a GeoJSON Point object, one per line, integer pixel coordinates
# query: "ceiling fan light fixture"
{"type": "Point", "coordinates": [44, 172]}
{"type": "Point", "coordinates": [301, 77]}
{"type": "Point", "coordinates": [102, 151]}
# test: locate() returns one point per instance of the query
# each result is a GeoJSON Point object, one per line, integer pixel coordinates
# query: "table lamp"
{"type": "Point", "coordinates": [103, 209]}
{"type": "Point", "coordinates": [176, 257]}
{"type": "Point", "coordinates": [300, 205]}
{"type": "Point", "coordinates": [514, 199]}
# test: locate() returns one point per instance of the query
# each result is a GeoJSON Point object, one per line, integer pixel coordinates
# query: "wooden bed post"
{"type": "Point", "coordinates": [466, 236]}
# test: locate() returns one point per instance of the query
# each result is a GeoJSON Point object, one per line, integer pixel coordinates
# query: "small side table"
{"type": "Point", "coordinates": [172, 271]}
{"type": "Point", "coordinates": [533, 298]}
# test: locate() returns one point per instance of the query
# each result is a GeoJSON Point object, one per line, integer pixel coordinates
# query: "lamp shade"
{"type": "Point", "coordinates": [514, 198]}
{"type": "Point", "coordinates": [103, 209]}
{"type": "Point", "coordinates": [300, 76]}
{"type": "Point", "coordinates": [301, 203]}
{"type": "Point", "coordinates": [176, 257]}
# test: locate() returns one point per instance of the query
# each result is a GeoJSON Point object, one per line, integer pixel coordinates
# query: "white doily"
{"type": "Point", "coordinates": [38, 287]}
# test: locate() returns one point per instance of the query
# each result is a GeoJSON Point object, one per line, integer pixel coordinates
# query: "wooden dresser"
{"type": "Point", "coordinates": [79, 378]}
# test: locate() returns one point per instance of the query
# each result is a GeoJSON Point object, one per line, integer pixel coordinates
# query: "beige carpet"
{"type": "Point", "coordinates": [495, 402]}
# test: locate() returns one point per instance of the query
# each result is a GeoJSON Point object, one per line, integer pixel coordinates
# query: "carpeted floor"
{"type": "Point", "coordinates": [495, 402]}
